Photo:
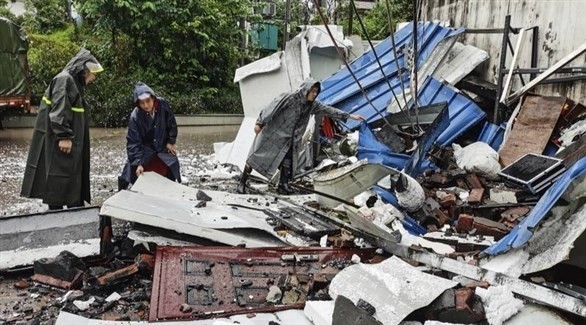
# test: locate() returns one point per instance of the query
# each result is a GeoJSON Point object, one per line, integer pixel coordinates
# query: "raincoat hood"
{"type": "Point", "coordinates": [77, 65]}
{"type": "Point", "coordinates": [142, 88]}
{"type": "Point", "coordinates": [306, 87]}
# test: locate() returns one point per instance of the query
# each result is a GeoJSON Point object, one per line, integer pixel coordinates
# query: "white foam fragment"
{"type": "Point", "coordinates": [499, 304]}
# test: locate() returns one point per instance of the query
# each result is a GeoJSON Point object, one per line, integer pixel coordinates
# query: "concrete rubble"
{"type": "Point", "coordinates": [459, 219]}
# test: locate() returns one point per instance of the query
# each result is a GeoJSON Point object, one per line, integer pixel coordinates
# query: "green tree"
{"type": "Point", "coordinates": [45, 16]}
{"type": "Point", "coordinates": [376, 20]}
{"type": "Point", "coordinates": [190, 43]}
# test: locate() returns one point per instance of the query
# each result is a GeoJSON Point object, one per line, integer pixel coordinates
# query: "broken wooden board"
{"type": "Point", "coordinates": [533, 128]}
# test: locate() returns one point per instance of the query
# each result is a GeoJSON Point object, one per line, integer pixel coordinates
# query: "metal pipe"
{"type": "Point", "coordinates": [287, 21]}
{"type": "Point", "coordinates": [342, 58]}
{"type": "Point", "coordinates": [534, 50]}
{"type": "Point", "coordinates": [378, 60]}
{"type": "Point", "coordinates": [414, 74]}
{"type": "Point", "coordinates": [392, 30]}
{"type": "Point", "coordinates": [503, 59]}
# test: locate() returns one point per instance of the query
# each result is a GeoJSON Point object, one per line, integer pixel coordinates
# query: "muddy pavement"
{"type": "Point", "coordinates": [108, 155]}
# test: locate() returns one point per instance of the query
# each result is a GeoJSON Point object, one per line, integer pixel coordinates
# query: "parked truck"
{"type": "Point", "coordinates": [14, 72]}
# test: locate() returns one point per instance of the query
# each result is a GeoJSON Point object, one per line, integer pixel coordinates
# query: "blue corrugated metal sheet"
{"type": "Point", "coordinates": [492, 134]}
{"type": "Point", "coordinates": [441, 123]}
{"type": "Point", "coordinates": [521, 234]}
{"type": "Point", "coordinates": [341, 90]}
{"type": "Point", "coordinates": [464, 113]}
{"type": "Point", "coordinates": [377, 153]}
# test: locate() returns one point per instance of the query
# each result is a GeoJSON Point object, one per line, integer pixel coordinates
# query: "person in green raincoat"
{"type": "Point", "coordinates": [58, 164]}
{"type": "Point", "coordinates": [279, 128]}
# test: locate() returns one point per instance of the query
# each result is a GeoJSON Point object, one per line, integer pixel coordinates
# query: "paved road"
{"type": "Point", "coordinates": [108, 155]}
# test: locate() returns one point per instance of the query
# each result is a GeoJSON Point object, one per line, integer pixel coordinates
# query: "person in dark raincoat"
{"type": "Point", "coordinates": [279, 128]}
{"type": "Point", "coordinates": [151, 137]}
{"type": "Point", "coordinates": [58, 163]}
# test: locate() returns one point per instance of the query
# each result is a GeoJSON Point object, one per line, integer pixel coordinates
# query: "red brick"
{"type": "Point", "coordinates": [476, 195]}
{"type": "Point", "coordinates": [476, 284]}
{"type": "Point", "coordinates": [463, 297]}
{"type": "Point", "coordinates": [22, 284]}
{"type": "Point", "coordinates": [465, 223]}
{"type": "Point", "coordinates": [449, 200]}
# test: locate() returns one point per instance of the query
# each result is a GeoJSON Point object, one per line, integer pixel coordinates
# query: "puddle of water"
{"type": "Point", "coordinates": [108, 155]}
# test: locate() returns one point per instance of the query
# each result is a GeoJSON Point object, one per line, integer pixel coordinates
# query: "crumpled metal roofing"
{"type": "Point", "coordinates": [464, 113]}
{"type": "Point", "coordinates": [521, 234]}
{"type": "Point", "coordinates": [377, 153]}
{"type": "Point", "coordinates": [492, 135]}
{"type": "Point", "coordinates": [341, 90]}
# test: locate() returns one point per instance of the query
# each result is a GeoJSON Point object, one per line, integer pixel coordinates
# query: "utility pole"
{"type": "Point", "coordinates": [243, 40]}
{"type": "Point", "coordinates": [287, 23]}
{"type": "Point", "coordinates": [350, 20]}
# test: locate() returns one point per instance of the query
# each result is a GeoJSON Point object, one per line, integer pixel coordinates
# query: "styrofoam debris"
{"type": "Point", "coordinates": [323, 242]}
{"type": "Point", "coordinates": [84, 305]}
{"type": "Point", "coordinates": [319, 312]}
{"type": "Point", "coordinates": [113, 297]}
{"type": "Point", "coordinates": [499, 304]}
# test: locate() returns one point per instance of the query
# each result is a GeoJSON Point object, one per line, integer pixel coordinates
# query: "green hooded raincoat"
{"type": "Point", "coordinates": [56, 177]}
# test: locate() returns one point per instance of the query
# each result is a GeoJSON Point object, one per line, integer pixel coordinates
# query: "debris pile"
{"type": "Point", "coordinates": [440, 208]}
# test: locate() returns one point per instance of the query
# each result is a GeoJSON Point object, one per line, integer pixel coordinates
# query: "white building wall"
{"type": "Point", "coordinates": [562, 28]}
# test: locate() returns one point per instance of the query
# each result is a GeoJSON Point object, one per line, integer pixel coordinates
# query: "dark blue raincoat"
{"type": "Point", "coordinates": [148, 136]}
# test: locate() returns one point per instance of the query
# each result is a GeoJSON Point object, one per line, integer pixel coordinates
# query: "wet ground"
{"type": "Point", "coordinates": [108, 154]}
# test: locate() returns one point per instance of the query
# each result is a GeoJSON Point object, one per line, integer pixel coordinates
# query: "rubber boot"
{"type": "Point", "coordinates": [284, 187]}
{"type": "Point", "coordinates": [122, 184]}
{"type": "Point", "coordinates": [241, 189]}
{"type": "Point", "coordinates": [106, 245]}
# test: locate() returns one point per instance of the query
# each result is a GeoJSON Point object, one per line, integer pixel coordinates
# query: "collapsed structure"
{"type": "Point", "coordinates": [458, 201]}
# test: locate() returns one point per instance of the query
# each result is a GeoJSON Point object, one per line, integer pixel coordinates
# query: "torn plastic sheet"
{"type": "Point", "coordinates": [521, 234]}
{"type": "Point", "coordinates": [393, 287]}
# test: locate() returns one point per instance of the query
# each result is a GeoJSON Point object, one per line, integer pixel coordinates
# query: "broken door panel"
{"type": "Point", "coordinates": [219, 281]}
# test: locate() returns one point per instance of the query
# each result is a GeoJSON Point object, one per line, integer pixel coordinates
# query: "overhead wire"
{"type": "Point", "coordinates": [343, 59]}
{"type": "Point", "coordinates": [378, 61]}
{"type": "Point", "coordinates": [392, 30]}
{"type": "Point", "coordinates": [414, 71]}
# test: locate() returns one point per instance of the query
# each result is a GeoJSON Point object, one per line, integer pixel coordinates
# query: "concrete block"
{"type": "Point", "coordinates": [319, 312]}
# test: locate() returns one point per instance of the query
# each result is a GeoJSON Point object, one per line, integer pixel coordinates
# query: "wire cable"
{"type": "Point", "coordinates": [343, 59]}
{"type": "Point", "coordinates": [390, 17]}
{"type": "Point", "coordinates": [378, 60]}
